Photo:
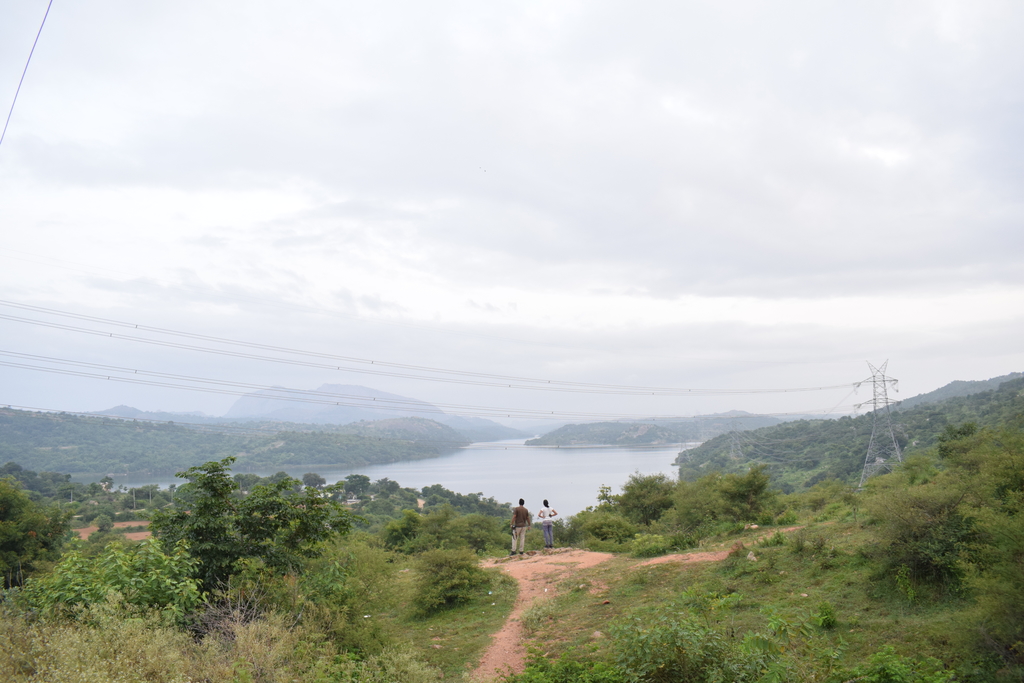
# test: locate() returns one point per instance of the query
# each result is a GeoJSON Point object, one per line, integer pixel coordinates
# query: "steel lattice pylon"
{"type": "Point", "coordinates": [883, 450]}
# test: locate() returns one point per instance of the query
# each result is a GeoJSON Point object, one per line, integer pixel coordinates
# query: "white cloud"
{"type": "Point", "coordinates": [801, 177]}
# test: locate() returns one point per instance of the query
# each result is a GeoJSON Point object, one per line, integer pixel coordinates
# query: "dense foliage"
{"type": "Point", "coordinates": [30, 533]}
{"type": "Point", "coordinates": [651, 433]}
{"type": "Point", "coordinates": [77, 444]}
{"type": "Point", "coordinates": [917, 578]}
{"type": "Point", "coordinates": [802, 453]}
{"type": "Point", "coordinates": [277, 524]}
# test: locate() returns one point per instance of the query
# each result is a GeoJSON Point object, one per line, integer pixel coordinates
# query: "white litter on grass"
{"type": "Point", "coordinates": [366, 616]}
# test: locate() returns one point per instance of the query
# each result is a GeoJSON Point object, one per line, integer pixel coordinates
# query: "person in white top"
{"type": "Point", "coordinates": [546, 513]}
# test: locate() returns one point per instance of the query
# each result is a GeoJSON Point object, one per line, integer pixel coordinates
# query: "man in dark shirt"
{"type": "Point", "coordinates": [520, 525]}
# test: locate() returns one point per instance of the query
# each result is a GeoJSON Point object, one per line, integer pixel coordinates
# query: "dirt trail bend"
{"type": "Point", "coordinates": [534, 573]}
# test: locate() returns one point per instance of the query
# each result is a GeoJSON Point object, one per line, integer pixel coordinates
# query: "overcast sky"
{"type": "Point", "coordinates": [720, 196]}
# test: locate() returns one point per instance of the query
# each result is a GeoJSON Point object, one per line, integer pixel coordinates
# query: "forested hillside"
{"type": "Point", "coordinates": [804, 452]}
{"type": "Point", "coordinates": [79, 444]}
{"type": "Point", "coordinates": [651, 433]}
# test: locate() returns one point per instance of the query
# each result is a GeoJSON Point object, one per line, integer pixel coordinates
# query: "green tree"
{"type": "Point", "coordinates": [313, 480]}
{"type": "Point", "coordinates": [273, 524]}
{"type": "Point", "coordinates": [29, 533]}
{"type": "Point", "coordinates": [645, 497]}
{"type": "Point", "coordinates": [357, 484]}
{"type": "Point", "coordinates": [104, 523]}
{"type": "Point", "coordinates": [398, 534]}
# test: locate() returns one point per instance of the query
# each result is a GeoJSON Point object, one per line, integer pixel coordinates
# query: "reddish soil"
{"type": "Point", "coordinates": [710, 556]}
{"type": "Point", "coordinates": [535, 573]}
{"type": "Point", "coordinates": [131, 536]}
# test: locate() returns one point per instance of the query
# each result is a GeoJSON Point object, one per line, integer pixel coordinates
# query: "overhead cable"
{"type": "Point", "coordinates": [218, 386]}
{"type": "Point", "coordinates": [458, 376]}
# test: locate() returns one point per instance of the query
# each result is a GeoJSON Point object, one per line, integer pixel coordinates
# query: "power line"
{"type": "Point", "coordinates": [25, 71]}
{"type": "Point", "coordinates": [458, 376]}
{"type": "Point", "coordinates": [883, 448]}
{"type": "Point", "coordinates": [218, 386]}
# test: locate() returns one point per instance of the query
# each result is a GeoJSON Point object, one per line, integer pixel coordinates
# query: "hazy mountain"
{"type": "Point", "coordinates": [481, 429]}
{"type": "Point", "coordinates": [196, 416]}
{"type": "Point", "coordinates": [356, 403]}
{"type": "Point", "coordinates": [360, 404]}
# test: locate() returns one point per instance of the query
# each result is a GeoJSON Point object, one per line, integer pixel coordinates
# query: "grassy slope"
{"type": "Point", "coordinates": [454, 640]}
{"type": "Point", "coordinates": [829, 566]}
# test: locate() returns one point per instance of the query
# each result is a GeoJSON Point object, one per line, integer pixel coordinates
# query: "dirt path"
{"type": "Point", "coordinates": [714, 555]}
{"type": "Point", "coordinates": [535, 574]}
{"type": "Point", "coordinates": [538, 573]}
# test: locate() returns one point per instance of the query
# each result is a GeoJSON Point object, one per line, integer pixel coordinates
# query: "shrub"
{"type": "Point", "coordinates": [144, 575]}
{"type": "Point", "coordinates": [826, 617]}
{"type": "Point", "coordinates": [885, 666]}
{"type": "Point", "coordinates": [103, 523]}
{"type": "Point", "coordinates": [650, 545]}
{"type": "Point", "coordinates": [565, 670]}
{"type": "Point", "coordinates": [645, 497]}
{"type": "Point", "coordinates": [274, 523]}
{"type": "Point", "coordinates": [446, 578]}
{"type": "Point", "coordinates": [926, 532]}
{"type": "Point", "coordinates": [605, 526]}
{"type": "Point", "coordinates": [786, 518]}
{"type": "Point", "coordinates": [776, 539]}
{"type": "Point", "coordinates": [665, 646]}
{"type": "Point", "coordinates": [29, 533]}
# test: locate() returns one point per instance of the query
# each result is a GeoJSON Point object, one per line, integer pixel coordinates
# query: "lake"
{"type": "Point", "coordinates": [505, 470]}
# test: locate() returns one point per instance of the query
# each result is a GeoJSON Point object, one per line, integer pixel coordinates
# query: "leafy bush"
{"type": "Point", "coordinates": [565, 670]}
{"type": "Point", "coordinates": [826, 617]}
{"type": "Point", "coordinates": [606, 526]}
{"type": "Point", "coordinates": [103, 523]}
{"type": "Point", "coordinates": [729, 497]}
{"type": "Point", "coordinates": [446, 578]}
{"type": "Point", "coordinates": [650, 545]}
{"type": "Point", "coordinates": [926, 531]}
{"type": "Point", "coordinates": [665, 646]}
{"type": "Point", "coordinates": [29, 533]}
{"type": "Point", "coordinates": [886, 666]}
{"type": "Point", "coordinates": [776, 539]}
{"type": "Point", "coordinates": [786, 518]}
{"type": "Point", "coordinates": [274, 523]}
{"type": "Point", "coordinates": [144, 576]}
{"type": "Point", "coordinates": [645, 497]}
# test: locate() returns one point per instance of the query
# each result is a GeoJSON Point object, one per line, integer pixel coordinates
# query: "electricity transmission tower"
{"type": "Point", "coordinates": [883, 450]}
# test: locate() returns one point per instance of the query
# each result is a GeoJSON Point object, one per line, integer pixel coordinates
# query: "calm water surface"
{"type": "Point", "coordinates": [505, 470]}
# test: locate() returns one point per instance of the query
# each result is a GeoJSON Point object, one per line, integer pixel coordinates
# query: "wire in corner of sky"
{"type": "Point", "coordinates": [25, 70]}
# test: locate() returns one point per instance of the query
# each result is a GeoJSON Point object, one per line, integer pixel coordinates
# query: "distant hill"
{"type": "Point", "coordinates": [650, 432]}
{"type": "Point", "coordinates": [363, 404]}
{"type": "Point", "coordinates": [958, 388]}
{"type": "Point", "coordinates": [357, 403]}
{"type": "Point", "coordinates": [61, 442]}
{"type": "Point", "coordinates": [803, 452]}
{"type": "Point", "coordinates": [608, 433]}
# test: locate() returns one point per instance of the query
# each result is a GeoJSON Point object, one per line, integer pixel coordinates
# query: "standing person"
{"type": "Point", "coordinates": [520, 524]}
{"type": "Point", "coordinates": [546, 513]}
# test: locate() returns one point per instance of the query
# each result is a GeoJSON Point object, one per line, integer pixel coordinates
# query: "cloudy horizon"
{"type": "Point", "coordinates": [732, 199]}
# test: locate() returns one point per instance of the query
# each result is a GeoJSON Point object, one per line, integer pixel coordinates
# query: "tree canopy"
{"type": "Point", "coordinates": [276, 524]}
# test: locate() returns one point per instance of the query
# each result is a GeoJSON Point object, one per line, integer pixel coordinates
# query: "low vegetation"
{"type": "Point", "coordinates": [723, 577]}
